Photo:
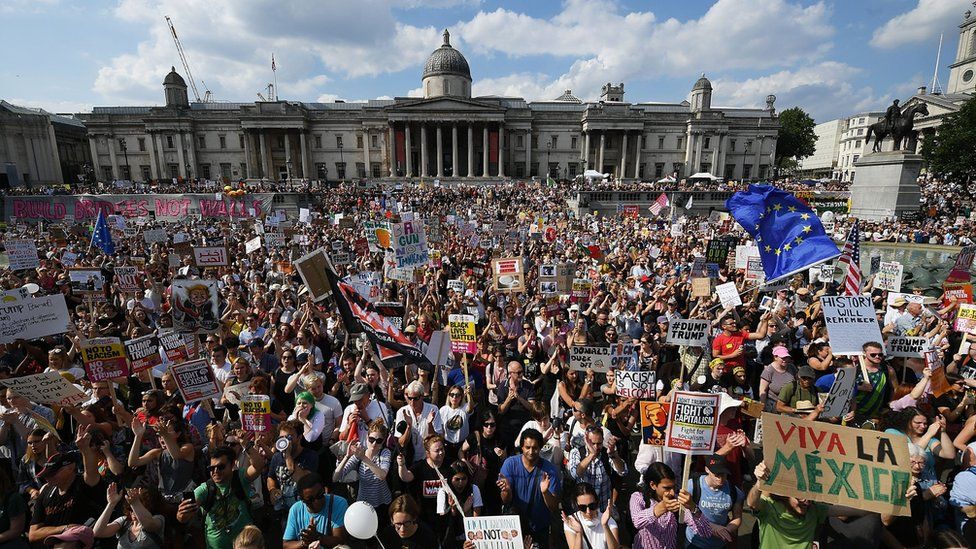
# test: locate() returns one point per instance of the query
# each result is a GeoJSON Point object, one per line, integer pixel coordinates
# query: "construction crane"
{"type": "Point", "coordinates": [186, 66]}
{"type": "Point", "coordinates": [269, 89]}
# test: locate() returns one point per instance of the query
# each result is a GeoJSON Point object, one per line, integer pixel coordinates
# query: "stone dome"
{"type": "Point", "coordinates": [702, 84]}
{"type": "Point", "coordinates": [568, 97]}
{"type": "Point", "coordinates": [447, 60]}
{"type": "Point", "coordinates": [174, 78]}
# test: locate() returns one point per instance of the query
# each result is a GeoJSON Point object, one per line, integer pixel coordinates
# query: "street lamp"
{"type": "Point", "coordinates": [342, 163]}
{"type": "Point", "coordinates": [125, 152]}
{"type": "Point", "coordinates": [548, 150]}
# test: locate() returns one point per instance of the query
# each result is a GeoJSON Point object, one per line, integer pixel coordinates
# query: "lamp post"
{"type": "Point", "coordinates": [288, 169]}
{"type": "Point", "coordinates": [189, 174]}
{"type": "Point", "coordinates": [125, 153]}
{"type": "Point", "coordinates": [342, 163]}
{"type": "Point", "coordinates": [548, 150]}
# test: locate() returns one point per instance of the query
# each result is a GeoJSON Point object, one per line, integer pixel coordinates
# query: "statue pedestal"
{"type": "Point", "coordinates": [885, 185]}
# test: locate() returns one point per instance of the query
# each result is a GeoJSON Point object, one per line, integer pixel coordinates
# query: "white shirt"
{"type": "Point", "coordinates": [456, 418]}
{"type": "Point", "coordinates": [331, 410]}
{"type": "Point", "coordinates": [419, 426]}
{"type": "Point", "coordinates": [442, 499]}
{"type": "Point", "coordinates": [593, 530]}
{"type": "Point", "coordinates": [374, 410]}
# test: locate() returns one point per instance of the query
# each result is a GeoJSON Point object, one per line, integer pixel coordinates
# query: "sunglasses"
{"type": "Point", "coordinates": [215, 468]}
{"type": "Point", "coordinates": [454, 395]}
{"type": "Point", "coordinates": [488, 424]}
{"type": "Point", "coordinates": [413, 398]}
{"type": "Point", "coordinates": [875, 355]}
{"type": "Point", "coordinates": [588, 506]}
{"type": "Point", "coordinates": [319, 497]}
{"type": "Point", "coordinates": [374, 440]}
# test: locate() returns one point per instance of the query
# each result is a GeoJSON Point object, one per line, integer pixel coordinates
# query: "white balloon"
{"type": "Point", "coordinates": [360, 520]}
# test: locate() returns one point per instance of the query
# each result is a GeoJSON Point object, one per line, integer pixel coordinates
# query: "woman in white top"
{"type": "Point", "coordinates": [454, 416]}
{"type": "Point", "coordinates": [586, 528]}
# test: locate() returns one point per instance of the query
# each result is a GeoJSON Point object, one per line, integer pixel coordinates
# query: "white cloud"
{"type": "Point", "coordinates": [924, 22]}
{"type": "Point", "coordinates": [53, 105]}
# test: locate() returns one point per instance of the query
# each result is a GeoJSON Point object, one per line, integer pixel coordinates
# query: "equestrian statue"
{"type": "Point", "coordinates": [900, 125]}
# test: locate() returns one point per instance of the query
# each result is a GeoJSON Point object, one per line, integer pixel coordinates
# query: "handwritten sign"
{"type": "Point", "coordinates": [410, 244]}
{"type": "Point", "coordinates": [728, 294]}
{"type": "Point", "coordinates": [211, 256]}
{"type": "Point", "coordinates": [584, 358]}
{"type": "Point", "coordinates": [46, 388]}
{"type": "Point", "coordinates": [850, 322]}
{"type": "Point", "coordinates": [828, 463]}
{"type": "Point", "coordinates": [692, 422]}
{"type": "Point", "coordinates": [33, 318]}
{"type": "Point", "coordinates": [889, 276]}
{"type": "Point", "coordinates": [21, 254]}
{"type": "Point", "coordinates": [195, 380]}
{"type": "Point", "coordinates": [841, 392]}
{"type": "Point", "coordinates": [635, 384]}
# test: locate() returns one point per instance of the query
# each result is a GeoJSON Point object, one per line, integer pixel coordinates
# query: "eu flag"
{"type": "Point", "coordinates": [102, 237]}
{"type": "Point", "coordinates": [788, 233]}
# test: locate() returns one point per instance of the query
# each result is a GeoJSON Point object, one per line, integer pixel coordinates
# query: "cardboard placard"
{"type": "Point", "coordinates": [126, 278]}
{"type": "Point", "coordinates": [211, 256]}
{"type": "Point", "coordinates": [368, 284]}
{"type": "Point", "coordinates": [195, 380]}
{"type": "Point", "coordinates": [939, 384]}
{"type": "Point", "coordinates": [252, 245]}
{"type": "Point", "coordinates": [841, 393]}
{"type": "Point", "coordinates": [692, 423]}
{"type": "Point", "coordinates": [410, 244]}
{"type": "Point", "coordinates": [508, 275]}
{"type": "Point", "coordinates": [152, 236]}
{"type": "Point", "coordinates": [851, 322]}
{"type": "Point", "coordinates": [143, 352]}
{"type": "Point", "coordinates": [455, 285]}
{"type": "Point", "coordinates": [439, 349]}
{"type": "Point", "coordinates": [174, 347]}
{"type": "Point", "coordinates": [499, 532]}
{"type": "Point", "coordinates": [635, 384]}
{"type": "Point", "coordinates": [906, 347]}
{"type": "Point", "coordinates": [463, 335]}
{"type": "Point", "coordinates": [728, 294]}
{"type": "Point", "coordinates": [688, 332]}
{"type": "Point", "coordinates": [889, 276]}
{"type": "Point", "coordinates": [196, 305]}
{"type": "Point", "coordinates": [623, 355]}
{"type": "Point", "coordinates": [583, 358]}
{"type": "Point", "coordinates": [654, 422]}
{"type": "Point", "coordinates": [256, 413]}
{"type": "Point", "coordinates": [966, 319]}
{"type": "Point", "coordinates": [828, 463]}
{"type": "Point", "coordinates": [104, 358]}
{"type": "Point", "coordinates": [46, 388]}
{"type": "Point", "coordinates": [33, 318]}
{"type": "Point", "coordinates": [21, 254]}
{"type": "Point", "coordinates": [311, 267]}
{"type": "Point", "coordinates": [701, 287]}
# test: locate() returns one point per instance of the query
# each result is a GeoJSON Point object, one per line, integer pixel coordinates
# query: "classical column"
{"type": "Point", "coordinates": [484, 150]}
{"type": "Point", "coordinates": [262, 155]}
{"type": "Point", "coordinates": [369, 170]}
{"type": "Point", "coordinates": [153, 160]}
{"type": "Point", "coordinates": [470, 151]}
{"type": "Point", "coordinates": [586, 149]}
{"type": "Point", "coordinates": [699, 145]}
{"type": "Point", "coordinates": [689, 149]}
{"type": "Point", "coordinates": [723, 156]}
{"type": "Point", "coordinates": [440, 153]}
{"type": "Point", "coordinates": [288, 163]}
{"type": "Point", "coordinates": [758, 161]}
{"type": "Point", "coordinates": [111, 154]}
{"type": "Point", "coordinates": [454, 151]}
{"type": "Point", "coordinates": [163, 168]}
{"type": "Point", "coordinates": [192, 149]}
{"type": "Point", "coordinates": [603, 142]}
{"type": "Point", "coordinates": [716, 153]}
{"type": "Point", "coordinates": [501, 150]}
{"type": "Point", "coordinates": [247, 155]}
{"type": "Point", "coordinates": [181, 154]}
{"type": "Point", "coordinates": [528, 152]}
{"type": "Point", "coordinates": [407, 160]}
{"type": "Point", "coordinates": [637, 156]}
{"type": "Point", "coordinates": [423, 150]}
{"type": "Point", "coordinates": [94, 156]}
{"type": "Point", "coordinates": [389, 150]}
{"type": "Point", "coordinates": [303, 146]}
{"type": "Point", "coordinates": [623, 157]}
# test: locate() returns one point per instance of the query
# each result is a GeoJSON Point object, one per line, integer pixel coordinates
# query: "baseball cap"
{"type": "Point", "coordinates": [358, 391]}
{"type": "Point", "coordinates": [81, 534]}
{"type": "Point", "coordinates": [780, 351]}
{"type": "Point", "coordinates": [806, 371]}
{"type": "Point", "coordinates": [56, 462]}
{"type": "Point", "coordinates": [662, 319]}
{"type": "Point", "coordinates": [717, 464]}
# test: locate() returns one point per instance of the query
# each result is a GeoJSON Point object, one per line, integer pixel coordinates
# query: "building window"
{"type": "Point", "coordinates": [679, 142]}
{"type": "Point", "coordinates": [747, 171]}
{"type": "Point", "coordinates": [535, 141]}
{"type": "Point", "coordinates": [676, 168]}
{"type": "Point", "coordinates": [573, 142]}
{"type": "Point", "coordinates": [142, 144]}
{"type": "Point", "coordinates": [519, 141]}
{"type": "Point", "coordinates": [359, 141]}
{"type": "Point", "coordinates": [202, 141]}
{"type": "Point", "coordinates": [857, 144]}
{"type": "Point", "coordinates": [374, 169]}
{"type": "Point", "coordinates": [243, 172]}
{"type": "Point", "coordinates": [321, 171]}
{"type": "Point", "coordinates": [126, 176]}
{"type": "Point", "coordinates": [520, 168]}
{"type": "Point", "coordinates": [658, 170]}
{"type": "Point", "coordinates": [748, 148]}
{"type": "Point", "coordinates": [640, 171]}
{"type": "Point", "coordinates": [708, 143]}
{"type": "Point", "coordinates": [318, 140]}
{"type": "Point", "coordinates": [609, 142]}
{"type": "Point", "coordinates": [447, 87]}
{"type": "Point", "coordinates": [553, 170]}
{"type": "Point", "coordinates": [860, 132]}
{"type": "Point", "coordinates": [854, 161]}
{"type": "Point", "coordinates": [107, 174]}
{"type": "Point", "coordinates": [660, 142]}
{"type": "Point", "coordinates": [534, 168]}
{"type": "Point", "coordinates": [223, 141]}
{"type": "Point", "coordinates": [174, 171]}
{"type": "Point", "coordinates": [205, 171]}
{"type": "Point", "coordinates": [169, 141]}
{"type": "Point", "coordinates": [707, 168]}
{"type": "Point", "coordinates": [341, 170]}
{"type": "Point", "coordinates": [225, 170]}
{"type": "Point", "coordinates": [240, 141]}
{"type": "Point", "coordinates": [729, 170]}
{"type": "Point", "coordinates": [763, 171]}
{"type": "Point", "coordinates": [339, 142]}
{"type": "Point", "coordinates": [573, 169]}
{"type": "Point", "coordinates": [732, 145]}
{"type": "Point", "coordinates": [643, 142]}
{"type": "Point", "coordinates": [281, 142]}
{"type": "Point", "coordinates": [554, 139]}
{"type": "Point", "coordinates": [146, 173]}
{"type": "Point", "coordinates": [374, 141]}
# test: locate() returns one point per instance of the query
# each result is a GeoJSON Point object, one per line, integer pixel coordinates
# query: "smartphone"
{"type": "Point", "coordinates": [188, 496]}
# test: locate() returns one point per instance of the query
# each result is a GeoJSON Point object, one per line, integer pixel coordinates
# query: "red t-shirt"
{"type": "Point", "coordinates": [724, 345]}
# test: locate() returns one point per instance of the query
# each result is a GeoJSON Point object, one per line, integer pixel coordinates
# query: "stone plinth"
{"type": "Point", "coordinates": [885, 185]}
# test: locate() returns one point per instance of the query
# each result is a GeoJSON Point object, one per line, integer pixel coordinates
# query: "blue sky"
{"type": "Point", "coordinates": [832, 58]}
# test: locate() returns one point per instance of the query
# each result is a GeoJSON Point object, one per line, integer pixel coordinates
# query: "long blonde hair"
{"type": "Point", "coordinates": [250, 537]}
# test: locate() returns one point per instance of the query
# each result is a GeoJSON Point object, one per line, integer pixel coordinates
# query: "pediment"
{"type": "Point", "coordinates": [446, 104]}
{"type": "Point", "coordinates": [937, 106]}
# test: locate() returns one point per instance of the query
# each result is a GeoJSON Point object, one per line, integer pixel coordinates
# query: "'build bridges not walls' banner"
{"type": "Point", "coordinates": [164, 207]}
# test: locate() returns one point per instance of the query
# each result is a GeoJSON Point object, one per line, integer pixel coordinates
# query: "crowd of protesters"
{"type": "Point", "coordinates": [509, 430]}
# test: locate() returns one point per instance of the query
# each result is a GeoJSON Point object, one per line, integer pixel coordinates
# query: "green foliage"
{"type": "Point", "coordinates": [796, 137]}
{"type": "Point", "coordinates": [951, 152]}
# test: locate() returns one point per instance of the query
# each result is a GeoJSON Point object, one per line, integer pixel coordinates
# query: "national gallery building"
{"type": "Point", "coordinates": [447, 134]}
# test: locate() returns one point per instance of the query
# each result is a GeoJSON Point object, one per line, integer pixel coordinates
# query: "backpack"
{"type": "Point", "coordinates": [236, 489]}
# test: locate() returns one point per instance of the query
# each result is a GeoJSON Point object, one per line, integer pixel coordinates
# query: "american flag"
{"type": "Point", "coordinates": [851, 256]}
{"type": "Point", "coordinates": [659, 204]}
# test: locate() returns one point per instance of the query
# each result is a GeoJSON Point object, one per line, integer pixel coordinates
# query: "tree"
{"type": "Point", "coordinates": [950, 151]}
{"type": "Point", "coordinates": [796, 137]}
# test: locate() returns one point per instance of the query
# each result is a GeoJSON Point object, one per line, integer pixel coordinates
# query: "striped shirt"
{"type": "Point", "coordinates": [662, 532]}
{"type": "Point", "coordinates": [372, 489]}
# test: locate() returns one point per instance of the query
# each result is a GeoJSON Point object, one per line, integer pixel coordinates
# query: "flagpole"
{"type": "Point", "coordinates": [274, 73]}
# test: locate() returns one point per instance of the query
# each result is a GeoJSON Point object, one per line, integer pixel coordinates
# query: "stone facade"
{"type": "Point", "coordinates": [37, 147]}
{"type": "Point", "coordinates": [446, 134]}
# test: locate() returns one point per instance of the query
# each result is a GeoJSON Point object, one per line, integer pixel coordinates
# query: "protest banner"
{"type": "Point", "coordinates": [87, 281]}
{"type": "Point", "coordinates": [33, 318]}
{"type": "Point", "coordinates": [581, 290]}
{"type": "Point", "coordinates": [46, 388]}
{"type": "Point", "coordinates": [728, 294]}
{"type": "Point", "coordinates": [966, 319]}
{"type": "Point", "coordinates": [410, 244]}
{"type": "Point", "coordinates": [718, 251]}
{"type": "Point", "coordinates": [850, 322]}
{"type": "Point", "coordinates": [499, 532]}
{"type": "Point", "coordinates": [367, 284]}
{"type": "Point", "coordinates": [196, 305]}
{"type": "Point", "coordinates": [841, 392]}
{"type": "Point", "coordinates": [253, 244]}
{"type": "Point", "coordinates": [126, 278]}
{"type": "Point", "coordinates": [688, 332]}
{"type": "Point", "coordinates": [635, 384]}
{"type": "Point", "coordinates": [889, 276]}
{"type": "Point", "coordinates": [312, 268]}
{"type": "Point", "coordinates": [195, 380]}
{"type": "Point", "coordinates": [823, 462]}
{"type": "Point", "coordinates": [463, 335]}
{"type": "Point", "coordinates": [623, 355]}
{"type": "Point", "coordinates": [654, 422]}
{"type": "Point", "coordinates": [143, 352]}
{"type": "Point", "coordinates": [692, 422]}
{"type": "Point", "coordinates": [455, 285]}
{"type": "Point", "coordinates": [508, 275]}
{"type": "Point", "coordinates": [151, 236]}
{"type": "Point", "coordinates": [21, 254]}
{"type": "Point", "coordinates": [165, 207]}
{"type": "Point", "coordinates": [256, 413]}
{"type": "Point", "coordinates": [584, 358]}
{"type": "Point", "coordinates": [754, 270]}
{"type": "Point", "coordinates": [210, 256]}
{"type": "Point", "coordinates": [905, 347]}
{"type": "Point", "coordinates": [938, 383]}
{"type": "Point", "coordinates": [174, 347]}
{"type": "Point", "coordinates": [104, 358]}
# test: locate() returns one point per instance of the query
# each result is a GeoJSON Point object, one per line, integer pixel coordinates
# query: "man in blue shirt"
{"type": "Point", "coordinates": [318, 516]}
{"type": "Point", "coordinates": [530, 485]}
{"type": "Point", "coordinates": [719, 501]}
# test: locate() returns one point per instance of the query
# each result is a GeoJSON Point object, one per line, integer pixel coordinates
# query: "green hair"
{"type": "Point", "coordinates": [309, 398]}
